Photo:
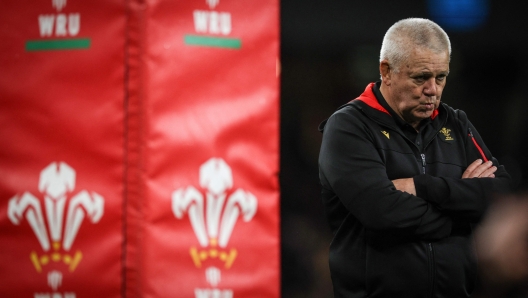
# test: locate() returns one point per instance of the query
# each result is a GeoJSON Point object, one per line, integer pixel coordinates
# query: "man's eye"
{"type": "Point", "coordinates": [441, 77]}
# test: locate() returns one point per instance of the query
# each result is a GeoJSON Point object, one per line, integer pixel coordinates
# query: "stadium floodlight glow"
{"type": "Point", "coordinates": [459, 15]}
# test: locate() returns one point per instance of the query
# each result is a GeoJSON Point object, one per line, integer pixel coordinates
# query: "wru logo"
{"type": "Point", "coordinates": [211, 221]}
{"type": "Point", "coordinates": [56, 181]}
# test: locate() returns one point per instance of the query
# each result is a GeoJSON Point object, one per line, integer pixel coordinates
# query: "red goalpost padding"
{"type": "Point", "coordinates": [140, 150]}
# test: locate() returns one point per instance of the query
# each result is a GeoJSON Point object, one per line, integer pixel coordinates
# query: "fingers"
{"type": "Point", "coordinates": [489, 171]}
{"type": "Point", "coordinates": [477, 169]}
{"type": "Point", "coordinates": [471, 168]}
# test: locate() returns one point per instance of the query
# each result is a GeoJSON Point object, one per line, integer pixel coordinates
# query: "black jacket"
{"type": "Point", "coordinates": [388, 243]}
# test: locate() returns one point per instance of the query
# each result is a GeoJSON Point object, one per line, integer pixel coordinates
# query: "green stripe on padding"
{"type": "Point", "coordinates": [208, 41]}
{"type": "Point", "coordinates": [57, 44]}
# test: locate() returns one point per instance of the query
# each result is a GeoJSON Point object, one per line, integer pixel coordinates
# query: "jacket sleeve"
{"type": "Point", "coordinates": [351, 167]}
{"type": "Point", "coordinates": [465, 199]}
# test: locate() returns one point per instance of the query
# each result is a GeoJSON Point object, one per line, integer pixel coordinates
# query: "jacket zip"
{"type": "Point", "coordinates": [423, 163]}
{"type": "Point", "coordinates": [477, 145]}
{"type": "Point", "coordinates": [430, 251]}
{"type": "Point", "coordinates": [430, 255]}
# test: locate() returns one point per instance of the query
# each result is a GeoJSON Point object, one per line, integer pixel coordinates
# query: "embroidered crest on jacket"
{"type": "Point", "coordinates": [446, 133]}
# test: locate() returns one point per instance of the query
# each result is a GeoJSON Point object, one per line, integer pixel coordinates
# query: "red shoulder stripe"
{"type": "Point", "coordinates": [369, 98]}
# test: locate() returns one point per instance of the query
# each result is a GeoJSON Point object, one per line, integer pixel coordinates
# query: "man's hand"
{"type": "Point", "coordinates": [480, 170]}
{"type": "Point", "coordinates": [405, 184]}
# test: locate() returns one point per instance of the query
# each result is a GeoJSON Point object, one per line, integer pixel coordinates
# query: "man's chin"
{"type": "Point", "coordinates": [424, 113]}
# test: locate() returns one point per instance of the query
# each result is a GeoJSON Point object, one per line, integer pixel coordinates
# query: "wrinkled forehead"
{"type": "Point", "coordinates": [426, 56]}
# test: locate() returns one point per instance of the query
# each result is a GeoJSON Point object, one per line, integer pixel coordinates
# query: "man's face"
{"type": "Point", "coordinates": [414, 91]}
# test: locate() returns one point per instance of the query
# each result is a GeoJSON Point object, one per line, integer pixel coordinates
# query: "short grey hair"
{"type": "Point", "coordinates": [409, 33]}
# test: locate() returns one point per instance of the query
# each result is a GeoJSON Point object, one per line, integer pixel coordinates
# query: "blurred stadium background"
{"type": "Point", "coordinates": [329, 53]}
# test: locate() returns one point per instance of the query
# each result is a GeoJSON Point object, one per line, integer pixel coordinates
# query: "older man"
{"type": "Point", "coordinates": [405, 176]}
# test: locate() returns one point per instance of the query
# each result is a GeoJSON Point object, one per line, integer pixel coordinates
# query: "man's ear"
{"type": "Point", "coordinates": [386, 72]}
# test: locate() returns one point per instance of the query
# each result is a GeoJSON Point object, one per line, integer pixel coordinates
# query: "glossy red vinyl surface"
{"type": "Point", "coordinates": [61, 106]}
{"type": "Point", "coordinates": [211, 106]}
{"type": "Point", "coordinates": [139, 151]}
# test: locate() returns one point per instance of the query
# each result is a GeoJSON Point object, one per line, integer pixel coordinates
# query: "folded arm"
{"type": "Point", "coordinates": [477, 169]}
{"type": "Point", "coordinates": [466, 198]}
{"type": "Point", "coordinates": [351, 166]}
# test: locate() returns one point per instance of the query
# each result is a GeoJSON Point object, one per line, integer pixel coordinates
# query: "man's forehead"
{"type": "Point", "coordinates": [427, 52]}
{"type": "Point", "coordinates": [428, 60]}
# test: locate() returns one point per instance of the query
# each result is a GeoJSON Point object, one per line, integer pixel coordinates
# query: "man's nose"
{"type": "Point", "coordinates": [430, 87]}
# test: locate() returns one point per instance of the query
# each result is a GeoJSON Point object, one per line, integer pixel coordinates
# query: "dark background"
{"type": "Point", "coordinates": [330, 52]}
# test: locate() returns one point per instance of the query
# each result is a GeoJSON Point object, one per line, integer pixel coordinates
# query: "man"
{"type": "Point", "coordinates": [405, 176]}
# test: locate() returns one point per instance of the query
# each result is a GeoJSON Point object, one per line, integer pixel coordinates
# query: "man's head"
{"type": "Point", "coordinates": [407, 34]}
{"type": "Point", "coordinates": [414, 64]}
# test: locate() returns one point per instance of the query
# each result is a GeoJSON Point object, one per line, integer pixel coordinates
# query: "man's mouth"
{"type": "Point", "coordinates": [428, 105]}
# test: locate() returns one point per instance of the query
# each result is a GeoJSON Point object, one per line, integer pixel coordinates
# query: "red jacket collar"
{"type": "Point", "coordinates": [369, 98]}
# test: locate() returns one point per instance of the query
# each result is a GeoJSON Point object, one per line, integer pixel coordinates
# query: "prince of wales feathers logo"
{"type": "Point", "coordinates": [56, 181]}
{"type": "Point", "coordinates": [211, 221]}
{"type": "Point", "coordinates": [446, 132]}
